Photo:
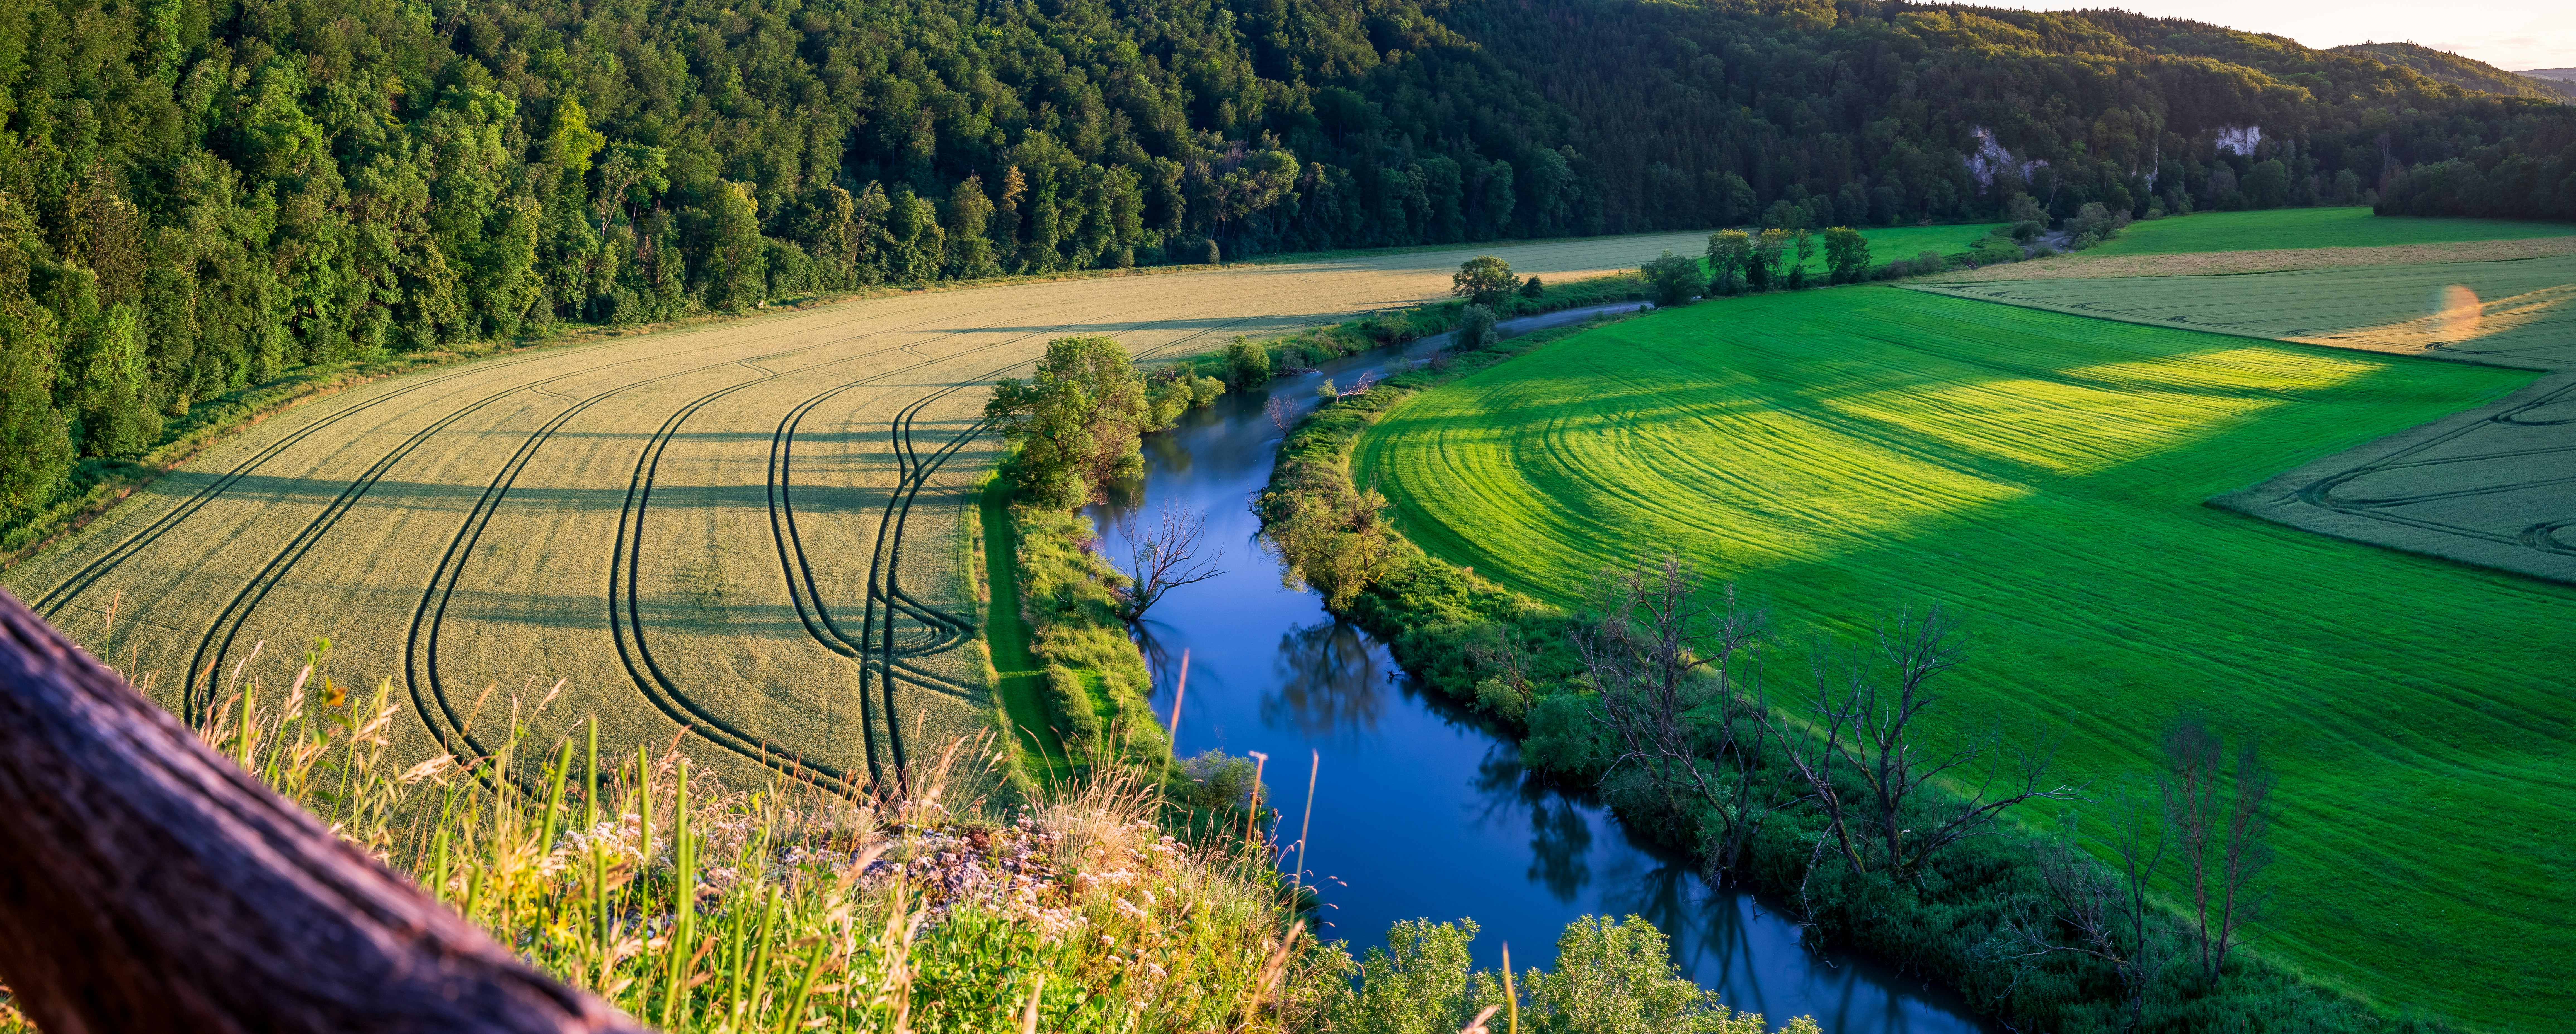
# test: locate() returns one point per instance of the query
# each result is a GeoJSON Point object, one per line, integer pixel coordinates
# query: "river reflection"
{"type": "Point", "coordinates": [1418, 811]}
{"type": "Point", "coordinates": [1328, 686]}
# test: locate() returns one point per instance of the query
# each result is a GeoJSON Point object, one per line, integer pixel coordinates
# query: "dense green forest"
{"type": "Point", "coordinates": [2461, 71]}
{"type": "Point", "coordinates": [207, 193]}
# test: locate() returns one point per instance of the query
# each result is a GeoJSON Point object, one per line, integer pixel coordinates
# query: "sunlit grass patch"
{"type": "Point", "coordinates": [1839, 452]}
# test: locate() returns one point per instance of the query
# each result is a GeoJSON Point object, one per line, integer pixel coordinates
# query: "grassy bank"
{"type": "Point", "coordinates": [1685, 400]}
{"type": "Point", "coordinates": [693, 905]}
{"type": "Point", "coordinates": [1087, 680]}
{"type": "Point", "coordinates": [1019, 679]}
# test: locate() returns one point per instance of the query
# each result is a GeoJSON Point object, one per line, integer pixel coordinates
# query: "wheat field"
{"type": "Point", "coordinates": [751, 531]}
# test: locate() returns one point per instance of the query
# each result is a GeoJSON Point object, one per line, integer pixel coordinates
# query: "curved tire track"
{"type": "Point", "coordinates": [79, 581]}
{"type": "Point", "coordinates": [2321, 493]}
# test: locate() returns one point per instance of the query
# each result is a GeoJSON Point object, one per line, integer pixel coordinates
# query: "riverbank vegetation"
{"type": "Point", "coordinates": [2016, 917]}
{"type": "Point", "coordinates": [1076, 426]}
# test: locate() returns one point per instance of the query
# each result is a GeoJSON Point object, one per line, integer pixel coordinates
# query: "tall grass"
{"type": "Point", "coordinates": [693, 905]}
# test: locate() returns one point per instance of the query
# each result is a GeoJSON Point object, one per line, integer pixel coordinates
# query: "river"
{"type": "Point", "coordinates": [1419, 812]}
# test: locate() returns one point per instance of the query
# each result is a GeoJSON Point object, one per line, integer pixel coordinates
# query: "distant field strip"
{"type": "Point", "coordinates": [2096, 265]}
{"type": "Point", "coordinates": [2494, 486]}
{"type": "Point", "coordinates": [2288, 228]}
{"type": "Point", "coordinates": [1838, 453]}
{"type": "Point", "coordinates": [748, 531]}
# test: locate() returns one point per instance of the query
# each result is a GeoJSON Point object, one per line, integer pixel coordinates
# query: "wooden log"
{"type": "Point", "coordinates": [149, 884]}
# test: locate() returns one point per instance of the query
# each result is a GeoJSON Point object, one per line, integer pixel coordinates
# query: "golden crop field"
{"type": "Point", "coordinates": [741, 530]}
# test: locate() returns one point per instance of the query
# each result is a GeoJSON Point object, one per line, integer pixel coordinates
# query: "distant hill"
{"type": "Point", "coordinates": [2444, 66]}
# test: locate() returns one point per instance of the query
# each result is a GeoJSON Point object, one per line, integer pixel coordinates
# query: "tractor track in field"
{"type": "Point", "coordinates": [420, 645]}
{"type": "Point", "coordinates": [236, 613]}
{"type": "Point", "coordinates": [626, 614]}
{"type": "Point", "coordinates": [63, 593]}
{"type": "Point", "coordinates": [228, 623]}
{"type": "Point", "coordinates": [54, 599]}
{"type": "Point", "coordinates": [423, 641]}
{"type": "Point", "coordinates": [945, 631]}
{"type": "Point", "coordinates": [2542, 537]}
{"type": "Point", "coordinates": [79, 581]}
{"type": "Point", "coordinates": [238, 610]}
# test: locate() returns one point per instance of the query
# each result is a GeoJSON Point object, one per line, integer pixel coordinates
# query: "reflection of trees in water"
{"type": "Point", "coordinates": [1560, 833]}
{"type": "Point", "coordinates": [1328, 683]}
{"type": "Point", "coordinates": [1713, 934]}
{"type": "Point", "coordinates": [1756, 965]}
{"type": "Point", "coordinates": [1160, 662]}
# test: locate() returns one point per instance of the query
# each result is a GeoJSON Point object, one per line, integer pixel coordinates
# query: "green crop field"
{"type": "Point", "coordinates": [2491, 486]}
{"type": "Point", "coordinates": [2281, 228]}
{"type": "Point", "coordinates": [1840, 453]}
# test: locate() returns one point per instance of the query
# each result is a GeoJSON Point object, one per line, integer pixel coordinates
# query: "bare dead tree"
{"type": "Point", "coordinates": [148, 883]}
{"type": "Point", "coordinates": [2220, 820]}
{"type": "Point", "coordinates": [1282, 415]}
{"type": "Point", "coordinates": [1864, 727]}
{"type": "Point", "coordinates": [1663, 663]}
{"type": "Point", "coordinates": [1167, 560]}
{"type": "Point", "coordinates": [2102, 912]}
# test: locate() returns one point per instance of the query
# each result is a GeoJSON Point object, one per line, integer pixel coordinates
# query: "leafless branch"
{"type": "Point", "coordinates": [2219, 820]}
{"type": "Point", "coordinates": [1167, 560]}
{"type": "Point", "coordinates": [1865, 706]}
{"type": "Point", "coordinates": [1664, 663]}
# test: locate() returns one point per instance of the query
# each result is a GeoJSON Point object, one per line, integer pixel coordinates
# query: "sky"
{"type": "Point", "coordinates": [2509, 34]}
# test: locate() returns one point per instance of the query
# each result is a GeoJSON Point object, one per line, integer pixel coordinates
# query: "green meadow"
{"type": "Point", "coordinates": [1889, 243]}
{"type": "Point", "coordinates": [1842, 453]}
{"type": "Point", "coordinates": [2280, 228]}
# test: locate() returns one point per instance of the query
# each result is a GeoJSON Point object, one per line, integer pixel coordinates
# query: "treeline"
{"type": "Point", "coordinates": [202, 194]}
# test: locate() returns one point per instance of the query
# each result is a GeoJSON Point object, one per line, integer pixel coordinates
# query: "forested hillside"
{"type": "Point", "coordinates": [206, 193]}
{"type": "Point", "coordinates": [2462, 72]}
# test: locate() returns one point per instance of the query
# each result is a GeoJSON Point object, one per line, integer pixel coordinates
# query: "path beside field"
{"type": "Point", "coordinates": [2494, 485]}
{"type": "Point", "coordinates": [739, 528]}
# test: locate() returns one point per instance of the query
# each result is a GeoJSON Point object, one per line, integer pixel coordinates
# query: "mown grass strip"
{"type": "Point", "coordinates": [1018, 676]}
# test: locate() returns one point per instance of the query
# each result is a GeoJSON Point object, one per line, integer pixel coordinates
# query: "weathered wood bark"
{"type": "Point", "coordinates": [148, 884]}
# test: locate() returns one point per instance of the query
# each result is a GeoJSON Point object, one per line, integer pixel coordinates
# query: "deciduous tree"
{"type": "Point", "coordinates": [1846, 255]}
{"type": "Point", "coordinates": [1075, 425]}
{"type": "Point", "coordinates": [1484, 280]}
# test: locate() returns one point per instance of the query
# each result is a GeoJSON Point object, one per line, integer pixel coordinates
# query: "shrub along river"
{"type": "Point", "coordinates": [1419, 811]}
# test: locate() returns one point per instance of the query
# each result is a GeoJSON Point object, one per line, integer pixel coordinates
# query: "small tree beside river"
{"type": "Point", "coordinates": [1078, 422]}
